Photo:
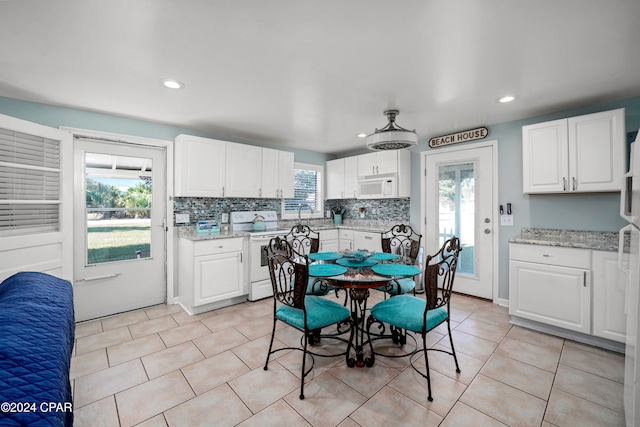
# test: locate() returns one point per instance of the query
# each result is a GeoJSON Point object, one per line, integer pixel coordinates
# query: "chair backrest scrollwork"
{"type": "Point", "coordinates": [440, 273]}
{"type": "Point", "coordinates": [303, 239]}
{"type": "Point", "coordinates": [401, 240]}
{"type": "Point", "coordinates": [289, 272]}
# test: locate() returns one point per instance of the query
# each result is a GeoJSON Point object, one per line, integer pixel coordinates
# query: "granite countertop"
{"type": "Point", "coordinates": [189, 232]}
{"type": "Point", "coordinates": [598, 240]}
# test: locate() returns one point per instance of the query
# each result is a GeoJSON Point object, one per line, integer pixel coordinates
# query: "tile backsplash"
{"type": "Point", "coordinates": [200, 208]}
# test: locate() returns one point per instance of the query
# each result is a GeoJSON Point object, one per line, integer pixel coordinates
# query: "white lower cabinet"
{"type": "Point", "coordinates": [580, 290]}
{"type": "Point", "coordinates": [329, 240]}
{"type": "Point", "coordinates": [367, 240]}
{"type": "Point", "coordinates": [551, 285]}
{"type": "Point", "coordinates": [345, 239]}
{"type": "Point", "coordinates": [609, 314]}
{"type": "Point", "coordinates": [210, 271]}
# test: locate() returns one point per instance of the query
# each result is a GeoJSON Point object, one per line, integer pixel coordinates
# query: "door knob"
{"type": "Point", "coordinates": [487, 231]}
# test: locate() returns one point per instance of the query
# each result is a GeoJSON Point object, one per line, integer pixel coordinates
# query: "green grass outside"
{"type": "Point", "coordinates": [117, 243]}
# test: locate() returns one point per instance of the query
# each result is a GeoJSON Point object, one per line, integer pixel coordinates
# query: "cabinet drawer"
{"type": "Point", "coordinates": [331, 234]}
{"type": "Point", "coordinates": [567, 257]}
{"type": "Point", "coordinates": [217, 246]}
{"type": "Point", "coordinates": [346, 234]}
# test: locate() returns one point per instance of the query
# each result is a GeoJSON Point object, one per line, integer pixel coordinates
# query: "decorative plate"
{"type": "Point", "coordinates": [324, 256]}
{"type": "Point", "coordinates": [349, 263]}
{"type": "Point", "coordinates": [360, 255]}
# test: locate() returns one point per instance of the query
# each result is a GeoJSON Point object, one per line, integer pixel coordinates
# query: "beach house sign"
{"type": "Point", "coordinates": [454, 138]}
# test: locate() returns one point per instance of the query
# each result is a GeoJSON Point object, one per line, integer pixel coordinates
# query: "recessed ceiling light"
{"type": "Point", "coordinates": [361, 135]}
{"type": "Point", "coordinates": [172, 84]}
{"type": "Point", "coordinates": [506, 99]}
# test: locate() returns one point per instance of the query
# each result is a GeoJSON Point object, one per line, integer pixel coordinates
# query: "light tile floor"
{"type": "Point", "coordinates": [161, 367]}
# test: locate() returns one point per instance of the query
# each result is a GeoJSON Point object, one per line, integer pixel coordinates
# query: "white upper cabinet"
{"type": "Point", "coordinates": [212, 168]}
{"type": "Point", "coordinates": [350, 177]}
{"type": "Point", "coordinates": [244, 171]}
{"type": "Point", "coordinates": [277, 173]}
{"type": "Point", "coordinates": [575, 155]}
{"type": "Point", "coordinates": [343, 174]}
{"type": "Point", "coordinates": [199, 167]}
{"type": "Point", "coordinates": [380, 162]}
{"type": "Point", "coordinates": [335, 179]}
{"type": "Point", "coordinates": [342, 178]}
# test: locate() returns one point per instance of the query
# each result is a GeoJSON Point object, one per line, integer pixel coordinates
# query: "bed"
{"type": "Point", "coordinates": [36, 341]}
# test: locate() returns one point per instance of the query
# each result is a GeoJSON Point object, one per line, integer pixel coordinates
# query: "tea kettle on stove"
{"type": "Point", "coordinates": [258, 223]}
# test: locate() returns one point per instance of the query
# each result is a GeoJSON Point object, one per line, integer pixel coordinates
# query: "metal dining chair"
{"type": "Point", "coordinates": [422, 315]}
{"type": "Point", "coordinates": [289, 272]}
{"type": "Point", "coordinates": [401, 240]}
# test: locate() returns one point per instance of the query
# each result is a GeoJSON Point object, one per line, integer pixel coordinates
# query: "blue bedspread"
{"type": "Point", "coordinates": [36, 340]}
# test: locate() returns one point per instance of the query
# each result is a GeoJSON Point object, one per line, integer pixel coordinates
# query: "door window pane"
{"type": "Point", "coordinates": [456, 210]}
{"type": "Point", "coordinates": [118, 208]}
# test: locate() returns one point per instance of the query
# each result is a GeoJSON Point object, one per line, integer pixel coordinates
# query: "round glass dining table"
{"type": "Point", "coordinates": [379, 271]}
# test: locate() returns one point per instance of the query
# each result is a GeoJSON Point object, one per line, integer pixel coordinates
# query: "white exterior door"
{"type": "Point", "coordinates": [119, 220]}
{"type": "Point", "coordinates": [36, 199]}
{"type": "Point", "coordinates": [459, 188]}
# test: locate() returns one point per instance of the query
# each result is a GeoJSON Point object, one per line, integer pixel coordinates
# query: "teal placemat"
{"type": "Point", "coordinates": [348, 263]}
{"type": "Point", "coordinates": [395, 270]}
{"type": "Point", "coordinates": [383, 256]}
{"type": "Point", "coordinates": [326, 270]}
{"type": "Point", "coordinates": [324, 256]}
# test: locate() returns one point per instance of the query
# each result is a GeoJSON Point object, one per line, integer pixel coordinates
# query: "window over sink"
{"type": "Point", "coordinates": [308, 193]}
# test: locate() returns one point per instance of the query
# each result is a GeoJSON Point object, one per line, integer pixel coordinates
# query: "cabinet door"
{"type": "Point", "coordinates": [369, 241]}
{"type": "Point", "coordinates": [270, 173]}
{"type": "Point", "coordinates": [217, 277]}
{"type": "Point", "coordinates": [596, 151]}
{"type": "Point", "coordinates": [244, 170]}
{"type": "Point", "coordinates": [345, 237]}
{"type": "Point", "coordinates": [335, 179]}
{"type": "Point", "coordinates": [609, 318]}
{"type": "Point", "coordinates": [329, 245]}
{"type": "Point", "coordinates": [558, 296]}
{"type": "Point", "coordinates": [345, 244]}
{"type": "Point", "coordinates": [386, 161]}
{"type": "Point", "coordinates": [545, 161]}
{"type": "Point", "coordinates": [200, 166]}
{"type": "Point", "coordinates": [367, 164]}
{"type": "Point", "coordinates": [351, 177]}
{"type": "Point", "coordinates": [285, 174]}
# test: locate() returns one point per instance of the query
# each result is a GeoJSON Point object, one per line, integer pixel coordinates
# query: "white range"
{"type": "Point", "coordinates": [244, 221]}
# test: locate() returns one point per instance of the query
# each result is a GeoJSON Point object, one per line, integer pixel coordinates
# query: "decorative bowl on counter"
{"type": "Point", "coordinates": [357, 256]}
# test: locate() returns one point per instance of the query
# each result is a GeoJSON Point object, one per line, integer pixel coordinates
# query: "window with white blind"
{"type": "Point", "coordinates": [30, 184]}
{"type": "Point", "coordinates": [307, 192]}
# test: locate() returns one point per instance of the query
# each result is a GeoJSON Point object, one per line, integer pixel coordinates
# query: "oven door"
{"type": "Point", "coordinates": [259, 269]}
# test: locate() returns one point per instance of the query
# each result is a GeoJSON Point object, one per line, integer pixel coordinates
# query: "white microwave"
{"type": "Point", "coordinates": [378, 187]}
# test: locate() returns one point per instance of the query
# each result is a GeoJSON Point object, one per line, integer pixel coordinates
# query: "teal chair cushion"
{"type": "Point", "coordinates": [407, 312]}
{"type": "Point", "coordinates": [321, 312]}
{"type": "Point", "coordinates": [406, 285]}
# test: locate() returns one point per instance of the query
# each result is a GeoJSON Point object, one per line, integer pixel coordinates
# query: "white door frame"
{"type": "Point", "coordinates": [169, 233]}
{"type": "Point", "coordinates": [494, 212]}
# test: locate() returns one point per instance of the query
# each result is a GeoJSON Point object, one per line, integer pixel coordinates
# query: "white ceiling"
{"type": "Point", "coordinates": [311, 74]}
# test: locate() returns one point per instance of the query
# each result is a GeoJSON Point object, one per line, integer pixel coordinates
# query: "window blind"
{"type": "Point", "coordinates": [306, 191]}
{"type": "Point", "coordinates": [30, 180]}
